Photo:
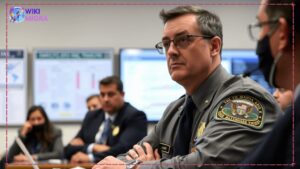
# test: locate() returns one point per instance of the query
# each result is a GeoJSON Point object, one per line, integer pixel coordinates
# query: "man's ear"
{"type": "Point", "coordinates": [216, 44]}
{"type": "Point", "coordinates": [283, 34]}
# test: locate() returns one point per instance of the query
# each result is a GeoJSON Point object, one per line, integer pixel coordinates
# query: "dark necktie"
{"type": "Point", "coordinates": [183, 137]}
{"type": "Point", "coordinates": [106, 131]}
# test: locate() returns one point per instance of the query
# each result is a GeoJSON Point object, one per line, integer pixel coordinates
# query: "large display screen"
{"type": "Point", "coordinates": [64, 78]}
{"type": "Point", "coordinates": [13, 84]}
{"type": "Point", "coordinates": [147, 83]}
{"type": "Point", "coordinates": [149, 87]}
{"type": "Point", "coordinates": [241, 61]}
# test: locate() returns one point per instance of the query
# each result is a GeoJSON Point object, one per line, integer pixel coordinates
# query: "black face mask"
{"type": "Point", "coordinates": [38, 128]}
{"type": "Point", "coordinates": [266, 62]}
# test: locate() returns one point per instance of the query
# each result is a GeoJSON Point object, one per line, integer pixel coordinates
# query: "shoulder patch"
{"type": "Point", "coordinates": [241, 109]}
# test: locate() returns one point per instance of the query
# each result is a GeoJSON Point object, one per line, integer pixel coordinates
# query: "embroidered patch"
{"type": "Point", "coordinates": [241, 109]}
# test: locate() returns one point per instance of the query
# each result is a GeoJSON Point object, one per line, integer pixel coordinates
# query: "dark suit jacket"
{"type": "Point", "coordinates": [132, 126]}
{"type": "Point", "coordinates": [53, 151]}
{"type": "Point", "coordinates": [277, 147]}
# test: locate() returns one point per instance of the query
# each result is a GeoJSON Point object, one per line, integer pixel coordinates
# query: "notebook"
{"type": "Point", "coordinates": [27, 154]}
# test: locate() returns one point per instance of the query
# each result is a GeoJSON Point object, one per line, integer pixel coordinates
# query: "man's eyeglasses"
{"type": "Point", "coordinates": [181, 41]}
{"type": "Point", "coordinates": [254, 29]}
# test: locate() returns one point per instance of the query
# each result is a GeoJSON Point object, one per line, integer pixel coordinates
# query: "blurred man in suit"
{"type": "Point", "coordinates": [108, 131]}
{"type": "Point", "coordinates": [284, 97]}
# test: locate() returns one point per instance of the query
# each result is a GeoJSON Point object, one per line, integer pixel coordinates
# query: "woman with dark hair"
{"type": "Point", "coordinates": [40, 137]}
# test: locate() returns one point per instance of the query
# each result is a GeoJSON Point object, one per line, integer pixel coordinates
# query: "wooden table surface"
{"type": "Point", "coordinates": [48, 166]}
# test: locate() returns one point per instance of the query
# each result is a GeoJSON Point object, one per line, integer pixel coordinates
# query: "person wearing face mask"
{"type": "Point", "coordinates": [284, 98]}
{"type": "Point", "coordinates": [279, 54]}
{"type": "Point", "coordinates": [40, 137]}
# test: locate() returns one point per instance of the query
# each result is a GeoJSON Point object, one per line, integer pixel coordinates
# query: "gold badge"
{"type": "Point", "coordinates": [116, 131]}
{"type": "Point", "coordinates": [200, 129]}
{"type": "Point", "coordinates": [241, 109]}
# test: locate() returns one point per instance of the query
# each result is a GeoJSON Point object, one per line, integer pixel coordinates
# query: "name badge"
{"type": "Point", "coordinates": [164, 148]}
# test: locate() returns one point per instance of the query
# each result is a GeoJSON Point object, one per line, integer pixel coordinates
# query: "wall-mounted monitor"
{"type": "Point", "coordinates": [64, 78]}
{"type": "Point", "coordinates": [13, 84]}
{"type": "Point", "coordinates": [147, 83]}
{"type": "Point", "coordinates": [149, 87]}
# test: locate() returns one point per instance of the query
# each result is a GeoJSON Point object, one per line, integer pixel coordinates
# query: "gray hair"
{"type": "Point", "coordinates": [208, 23]}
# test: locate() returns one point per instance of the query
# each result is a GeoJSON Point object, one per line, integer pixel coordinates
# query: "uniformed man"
{"type": "Point", "coordinates": [221, 117]}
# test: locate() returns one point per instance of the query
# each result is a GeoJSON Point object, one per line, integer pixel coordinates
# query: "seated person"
{"type": "Point", "coordinates": [93, 102]}
{"type": "Point", "coordinates": [112, 130]}
{"type": "Point", "coordinates": [284, 97]}
{"type": "Point", "coordinates": [219, 120]}
{"type": "Point", "coordinates": [40, 137]}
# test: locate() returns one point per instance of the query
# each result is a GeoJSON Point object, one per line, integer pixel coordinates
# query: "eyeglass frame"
{"type": "Point", "coordinates": [260, 25]}
{"type": "Point", "coordinates": [162, 50]}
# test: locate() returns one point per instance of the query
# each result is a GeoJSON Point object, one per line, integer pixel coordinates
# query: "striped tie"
{"type": "Point", "coordinates": [106, 131]}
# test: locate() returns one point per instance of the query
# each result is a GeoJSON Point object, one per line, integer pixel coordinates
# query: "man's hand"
{"type": "Point", "coordinates": [97, 148]}
{"type": "Point", "coordinates": [77, 142]}
{"type": "Point", "coordinates": [80, 157]}
{"type": "Point", "coordinates": [110, 162]}
{"type": "Point", "coordinates": [138, 153]}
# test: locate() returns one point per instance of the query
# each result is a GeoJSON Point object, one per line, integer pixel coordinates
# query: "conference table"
{"type": "Point", "coordinates": [49, 166]}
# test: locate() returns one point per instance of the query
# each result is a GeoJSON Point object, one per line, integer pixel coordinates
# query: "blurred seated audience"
{"type": "Point", "coordinates": [42, 139]}
{"type": "Point", "coordinates": [93, 102]}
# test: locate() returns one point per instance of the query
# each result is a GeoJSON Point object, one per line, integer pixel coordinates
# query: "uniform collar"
{"type": "Point", "coordinates": [204, 94]}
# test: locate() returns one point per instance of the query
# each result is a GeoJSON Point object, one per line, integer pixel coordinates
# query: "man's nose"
{"type": "Point", "coordinates": [172, 50]}
{"type": "Point", "coordinates": [105, 98]}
